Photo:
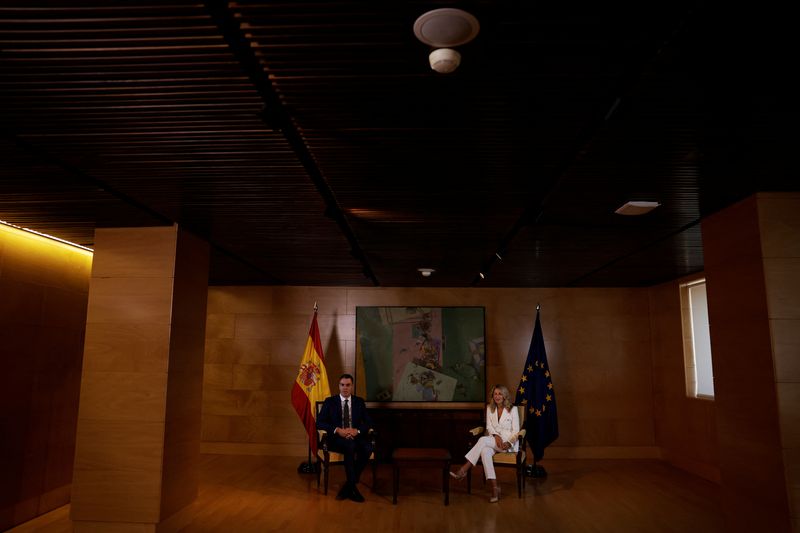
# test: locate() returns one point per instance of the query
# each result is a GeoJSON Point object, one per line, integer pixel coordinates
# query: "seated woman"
{"type": "Point", "coordinates": [502, 427]}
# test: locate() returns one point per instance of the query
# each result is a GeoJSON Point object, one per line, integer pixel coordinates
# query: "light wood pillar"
{"type": "Point", "coordinates": [779, 221]}
{"type": "Point", "coordinates": [741, 293]}
{"type": "Point", "coordinates": [139, 416]}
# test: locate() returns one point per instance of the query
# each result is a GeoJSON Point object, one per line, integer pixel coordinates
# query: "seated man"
{"type": "Point", "coordinates": [347, 422]}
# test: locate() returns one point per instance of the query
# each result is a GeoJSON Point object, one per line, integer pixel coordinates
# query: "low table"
{"type": "Point", "coordinates": [422, 457]}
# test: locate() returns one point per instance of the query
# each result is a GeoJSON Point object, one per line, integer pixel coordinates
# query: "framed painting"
{"type": "Point", "coordinates": [421, 354]}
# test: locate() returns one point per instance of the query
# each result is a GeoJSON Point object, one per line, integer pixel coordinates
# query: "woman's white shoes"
{"type": "Point", "coordinates": [458, 475]}
{"type": "Point", "coordinates": [495, 495]}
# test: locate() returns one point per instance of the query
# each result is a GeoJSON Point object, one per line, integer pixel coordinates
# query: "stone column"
{"type": "Point", "coordinates": [138, 436]}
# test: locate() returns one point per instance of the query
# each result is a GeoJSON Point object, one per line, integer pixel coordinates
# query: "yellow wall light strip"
{"type": "Point", "coordinates": [46, 236]}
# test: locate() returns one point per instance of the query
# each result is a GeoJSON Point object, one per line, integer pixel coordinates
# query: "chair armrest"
{"type": "Point", "coordinates": [520, 436]}
{"type": "Point", "coordinates": [477, 431]}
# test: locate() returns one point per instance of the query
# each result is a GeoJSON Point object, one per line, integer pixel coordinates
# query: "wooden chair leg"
{"type": "Point", "coordinates": [325, 466]}
{"type": "Point", "coordinates": [469, 481]}
{"type": "Point", "coordinates": [374, 472]}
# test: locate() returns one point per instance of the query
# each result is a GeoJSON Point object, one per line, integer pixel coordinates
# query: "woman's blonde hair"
{"type": "Point", "coordinates": [506, 402]}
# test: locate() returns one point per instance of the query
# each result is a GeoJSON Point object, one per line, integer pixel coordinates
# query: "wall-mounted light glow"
{"type": "Point", "coordinates": [482, 275]}
{"type": "Point", "coordinates": [426, 272]}
{"type": "Point", "coordinates": [39, 234]}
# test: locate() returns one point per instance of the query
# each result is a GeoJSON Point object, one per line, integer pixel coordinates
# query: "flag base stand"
{"type": "Point", "coordinates": [307, 468]}
{"type": "Point", "coordinates": [535, 470]}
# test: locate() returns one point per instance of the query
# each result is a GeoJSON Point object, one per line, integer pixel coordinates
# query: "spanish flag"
{"type": "Point", "coordinates": [311, 385]}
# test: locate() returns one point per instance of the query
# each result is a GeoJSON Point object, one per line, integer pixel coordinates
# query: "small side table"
{"type": "Point", "coordinates": [422, 457]}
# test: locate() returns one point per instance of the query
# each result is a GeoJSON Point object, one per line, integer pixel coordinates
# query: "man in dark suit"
{"type": "Point", "coordinates": [347, 422]}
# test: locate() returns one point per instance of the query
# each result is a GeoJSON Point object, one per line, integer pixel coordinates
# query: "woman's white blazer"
{"type": "Point", "coordinates": [507, 427]}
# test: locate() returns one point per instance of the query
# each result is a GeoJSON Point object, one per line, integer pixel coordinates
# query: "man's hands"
{"type": "Point", "coordinates": [347, 433]}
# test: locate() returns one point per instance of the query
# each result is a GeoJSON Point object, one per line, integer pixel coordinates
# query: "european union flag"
{"type": "Point", "coordinates": [536, 392]}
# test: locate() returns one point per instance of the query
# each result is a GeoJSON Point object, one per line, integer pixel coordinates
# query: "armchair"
{"type": "Point", "coordinates": [510, 459]}
{"type": "Point", "coordinates": [327, 458]}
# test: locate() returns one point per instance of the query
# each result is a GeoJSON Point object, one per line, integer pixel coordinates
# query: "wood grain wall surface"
{"type": "Point", "coordinates": [139, 418]}
{"type": "Point", "coordinates": [779, 224]}
{"type": "Point", "coordinates": [686, 429]}
{"type": "Point", "coordinates": [598, 343]}
{"type": "Point", "coordinates": [43, 290]}
{"type": "Point", "coordinates": [751, 463]}
{"type": "Point", "coordinates": [120, 441]}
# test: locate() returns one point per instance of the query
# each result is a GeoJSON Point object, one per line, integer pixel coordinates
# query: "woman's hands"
{"type": "Point", "coordinates": [498, 442]}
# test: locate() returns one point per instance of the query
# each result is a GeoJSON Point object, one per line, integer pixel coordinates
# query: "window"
{"type": "Point", "coordinates": [696, 340]}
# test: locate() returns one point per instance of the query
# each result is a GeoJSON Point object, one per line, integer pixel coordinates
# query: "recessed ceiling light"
{"type": "Point", "coordinates": [426, 272]}
{"type": "Point", "coordinates": [636, 208]}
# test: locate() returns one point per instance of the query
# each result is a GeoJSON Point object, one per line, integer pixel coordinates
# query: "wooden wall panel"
{"type": "Point", "coordinates": [598, 343]}
{"type": "Point", "coordinates": [686, 428]}
{"type": "Point", "coordinates": [127, 348]}
{"type": "Point", "coordinates": [143, 253]}
{"type": "Point", "coordinates": [123, 397]}
{"type": "Point", "coordinates": [185, 382]}
{"type": "Point", "coordinates": [44, 286]}
{"type": "Point", "coordinates": [139, 419]}
{"type": "Point", "coordinates": [748, 426]}
{"type": "Point", "coordinates": [779, 223]}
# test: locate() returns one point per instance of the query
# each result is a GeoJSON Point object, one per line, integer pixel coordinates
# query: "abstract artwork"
{"type": "Point", "coordinates": [421, 354]}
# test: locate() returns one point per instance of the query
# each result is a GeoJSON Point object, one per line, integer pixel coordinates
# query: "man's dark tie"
{"type": "Point", "coordinates": [346, 414]}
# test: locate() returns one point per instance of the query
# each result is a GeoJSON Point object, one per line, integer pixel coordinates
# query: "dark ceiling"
{"type": "Point", "coordinates": [311, 144]}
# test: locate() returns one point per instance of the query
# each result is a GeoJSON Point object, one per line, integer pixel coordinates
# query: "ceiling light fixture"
{"type": "Point", "coordinates": [444, 60]}
{"type": "Point", "coordinates": [426, 272]}
{"type": "Point", "coordinates": [636, 208]}
{"type": "Point", "coordinates": [444, 29]}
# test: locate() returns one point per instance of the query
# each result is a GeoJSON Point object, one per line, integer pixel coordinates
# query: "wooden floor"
{"type": "Point", "coordinates": [246, 493]}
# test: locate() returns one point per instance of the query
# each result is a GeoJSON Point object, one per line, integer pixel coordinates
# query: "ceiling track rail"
{"type": "Point", "coordinates": [626, 88]}
{"type": "Point", "coordinates": [576, 281]}
{"type": "Point", "coordinates": [80, 176]}
{"type": "Point", "coordinates": [277, 117]}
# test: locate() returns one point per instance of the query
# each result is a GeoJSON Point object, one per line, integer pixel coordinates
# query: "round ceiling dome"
{"type": "Point", "coordinates": [446, 27]}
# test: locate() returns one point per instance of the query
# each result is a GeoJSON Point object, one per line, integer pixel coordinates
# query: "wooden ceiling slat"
{"type": "Point", "coordinates": [134, 113]}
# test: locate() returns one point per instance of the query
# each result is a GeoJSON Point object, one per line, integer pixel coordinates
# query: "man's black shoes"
{"type": "Point", "coordinates": [356, 496]}
{"type": "Point", "coordinates": [349, 492]}
{"type": "Point", "coordinates": [344, 492]}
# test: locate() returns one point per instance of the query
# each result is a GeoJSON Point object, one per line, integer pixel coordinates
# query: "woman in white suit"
{"type": "Point", "coordinates": [502, 429]}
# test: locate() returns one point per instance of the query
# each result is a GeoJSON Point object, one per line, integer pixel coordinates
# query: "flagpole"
{"type": "Point", "coordinates": [535, 470]}
{"type": "Point", "coordinates": [308, 467]}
